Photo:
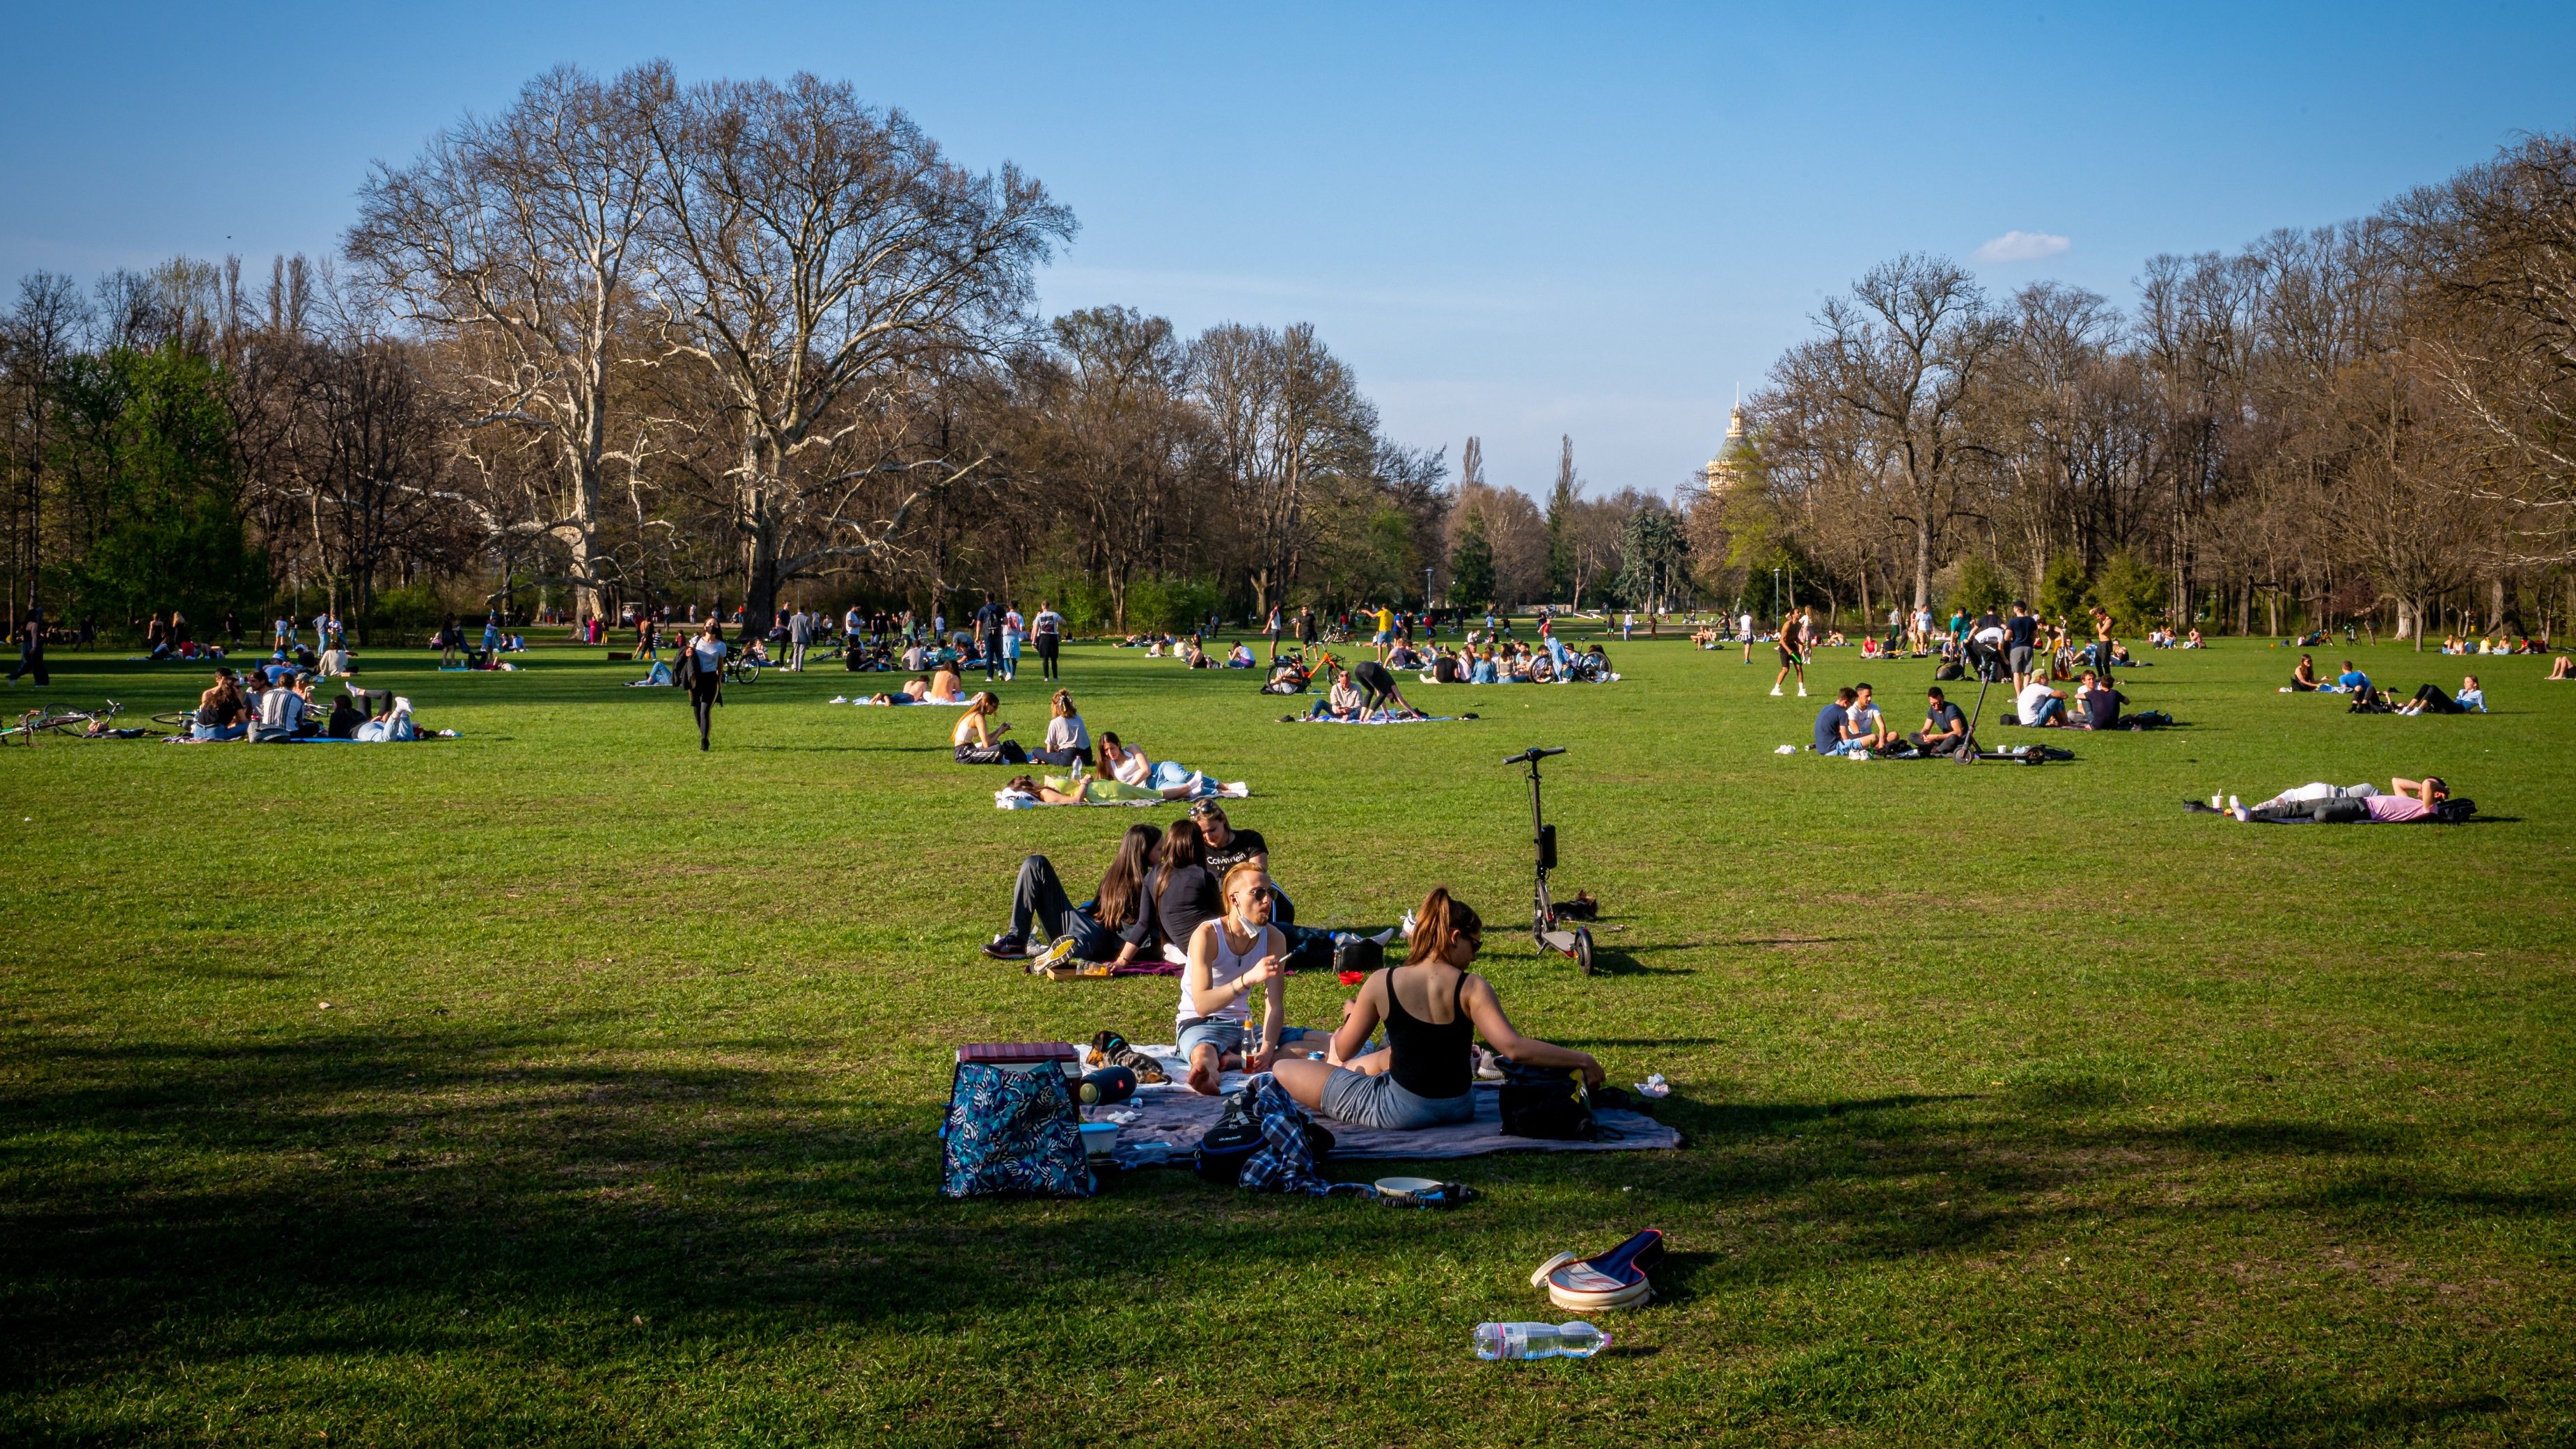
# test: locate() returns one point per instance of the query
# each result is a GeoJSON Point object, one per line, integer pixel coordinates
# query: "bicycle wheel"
{"type": "Point", "coordinates": [177, 719]}
{"type": "Point", "coordinates": [742, 672]}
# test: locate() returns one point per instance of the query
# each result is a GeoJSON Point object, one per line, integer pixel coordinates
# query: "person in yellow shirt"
{"type": "Point", "coordinates": [1385, 631]}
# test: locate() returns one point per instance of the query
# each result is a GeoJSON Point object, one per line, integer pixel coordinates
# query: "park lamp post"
{"type": "Point", "coordinates": [1426, 598]}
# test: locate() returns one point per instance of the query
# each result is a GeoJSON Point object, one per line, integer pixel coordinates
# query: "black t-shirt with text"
{"type": "Point", "coordinates": [1240, 846]}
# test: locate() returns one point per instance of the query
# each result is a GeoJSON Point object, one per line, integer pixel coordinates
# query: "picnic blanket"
{"type": "Point", "coordinates": [933, 703]}
{"type": "Point", "coordinates": [1408, 719]}
{"type": "Point", "coordinates": [1011, 800]}
{"type": "Point", "coordinates": [1177, 1117]}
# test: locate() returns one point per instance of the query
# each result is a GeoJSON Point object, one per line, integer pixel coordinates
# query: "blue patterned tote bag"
{"type": "Point", "coordinates": [1013, 1132]}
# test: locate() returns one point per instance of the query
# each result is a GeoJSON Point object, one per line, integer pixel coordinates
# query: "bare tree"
{"type": "Point", "coordinates": [1903, 355]}
{"type": "Point", "coordinates": [514, 240]}
{"type": "Point", "coordinates": [824, 266]}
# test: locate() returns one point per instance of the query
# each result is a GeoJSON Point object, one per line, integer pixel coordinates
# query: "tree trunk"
{"type": "Point", "coordinates": [1923, 564]}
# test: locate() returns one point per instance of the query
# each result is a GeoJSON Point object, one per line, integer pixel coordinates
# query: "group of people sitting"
{"type": "Point", "coordinates": [1124, 773]}
{"type": "Point", "coordinates": [2320, 803]}
{"type": "Point", "coordinates": [1509, 661]}
{"type": "Point", "coordinates": [274, 705]}
{"type": "Point", "coordinates": [1202, 893]}
{"type": "Point", "coordinates": [2096, 706]}
{"type": "Point", "coordinates": [2368, 698]}
{"type": "Point", "coordinates": [1853, 725]}
{"type": "Point", "coordinates": [2161, 637]}
{"type": "Point", "coordinates": [2462, 644]}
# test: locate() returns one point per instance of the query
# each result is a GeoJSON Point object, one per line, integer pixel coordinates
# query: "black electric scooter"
{"type": "Point", "coordinates": [1544, 926]}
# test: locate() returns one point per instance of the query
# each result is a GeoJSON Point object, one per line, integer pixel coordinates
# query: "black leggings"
{"type": "Point", "coordinates": [2435, 700]}
{"type": "Point", "coordinates": [702, 699]}
{"type": "Point", "coordinates": [1008, 752]}
{"type": "Point", "coordinates": [1046, 655]}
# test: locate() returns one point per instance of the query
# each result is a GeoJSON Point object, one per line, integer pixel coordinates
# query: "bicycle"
{"type": "Point", "coordinates": [56, 719]}
{"type": "Point", "coordinates": [741, 669]}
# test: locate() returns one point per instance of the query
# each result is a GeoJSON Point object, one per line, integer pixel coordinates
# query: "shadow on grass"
{"type": "Point", "coordinates": [359, 1195]}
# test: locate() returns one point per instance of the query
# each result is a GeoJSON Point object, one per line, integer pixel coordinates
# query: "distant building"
{"type": "Point", "coordinates": [1727, 469]}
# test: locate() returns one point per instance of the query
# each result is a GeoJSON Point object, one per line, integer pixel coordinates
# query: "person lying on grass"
{"type": "Point", "coordinates": [977, 736]}
{"type": "Point", "coordinates": [1091, 790]}
{"type": "Point", "coordinates": [916, 690]}
{"type": "Point", "coordinates": [1039, 900]}
{"type": "Point", "coordinates": [1434, 1009]}
{"type": "Point", "coordinates": [2323, 804]}
{"type": "Point", "coordinates": [2429, 699]}
{"type": "Point", "coordinates": [1230, 958]}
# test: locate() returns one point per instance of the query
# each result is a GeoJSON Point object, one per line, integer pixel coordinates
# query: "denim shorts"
{"type": "Point", "coordinates": [1381, 1101]}
{"type": "Point", "coordinates": [1225, 1036]}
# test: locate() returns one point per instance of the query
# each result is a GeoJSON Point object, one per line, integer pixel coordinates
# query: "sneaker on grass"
{"type": "Point", "coordinates": [1006, 947]}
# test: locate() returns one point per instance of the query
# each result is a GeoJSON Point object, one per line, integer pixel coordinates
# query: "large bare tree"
{"type": "Point", "coordinates": [823, 266]}
{"type": "Point", "coordinates": [513, 241]}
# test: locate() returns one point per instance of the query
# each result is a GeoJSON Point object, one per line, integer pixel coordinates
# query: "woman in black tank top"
{"type": "Point", "coordinates": [1425, 1076]}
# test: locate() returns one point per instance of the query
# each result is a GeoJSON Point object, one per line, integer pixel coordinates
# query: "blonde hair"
{"type": "Point", "coordinates": [1062, 704]}
{"type": "Point", "coordinates": [1441, 921]}
{"type": "Point", "coordinates": [986, 701]}
{"type": "Point", "coordinates": [1241, 870]}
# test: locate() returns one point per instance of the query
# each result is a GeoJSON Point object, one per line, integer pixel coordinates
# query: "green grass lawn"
{"type": "Point", "coordinates": [2021, 1106]}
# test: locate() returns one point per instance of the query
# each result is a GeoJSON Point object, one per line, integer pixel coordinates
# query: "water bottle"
{"type": "Point", "coordinates": [1539, 1340]}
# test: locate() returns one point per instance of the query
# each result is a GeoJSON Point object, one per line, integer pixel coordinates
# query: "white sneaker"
{"type": "Point", "coordinates": [2235, 804]}
{"type": "Point", "coordinates": [1058, 951]}
{"type": "Point", "coordinates": [2243, 816]}
{"type": "Point", "coordinates": [1775, 691]}
{"type": "Point", "coordinates": [1802, 691]}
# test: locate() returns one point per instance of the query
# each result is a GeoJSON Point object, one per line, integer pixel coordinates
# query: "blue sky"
{"type": "Point", "coordinates": [1514, 221]}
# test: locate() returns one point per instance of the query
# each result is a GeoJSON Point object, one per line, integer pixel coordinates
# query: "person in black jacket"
{"type": "Point", "coordinates": [31, 650]}
{"type": "Point", "coordinates": [701, 675]}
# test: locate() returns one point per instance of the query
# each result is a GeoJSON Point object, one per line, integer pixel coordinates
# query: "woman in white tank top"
{"type": "Point", "coordinates": [1229, 959]}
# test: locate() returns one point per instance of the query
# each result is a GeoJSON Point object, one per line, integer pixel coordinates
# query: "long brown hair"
{"type": "Point", "coordinates": [1124, 881]}
{"type": "Point", "coordinates": [1441, 921]}
{"type": "Point", "coordinates": [1183, 846]}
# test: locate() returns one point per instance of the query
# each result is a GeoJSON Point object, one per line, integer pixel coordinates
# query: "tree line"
{"type": "Point", "coordinates": [630, 342]}
{"type": "Point", "coordinates": [2373, 422]}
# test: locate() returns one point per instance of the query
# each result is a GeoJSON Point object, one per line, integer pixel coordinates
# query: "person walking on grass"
{"type": "Point", "coordinates": [1048, 630]}
{"type": "Point", "coordinates": [1273, 631]}
{"type": "Point", "coordinates": [701, 674]}
{"type": "Point", "coordinates": [1793, 655]}
{"type": "Point", "coordinates": [31, 650]}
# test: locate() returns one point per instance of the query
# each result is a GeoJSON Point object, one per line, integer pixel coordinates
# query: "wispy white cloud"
{"type": "Point", "coordinates": [2022, 246]}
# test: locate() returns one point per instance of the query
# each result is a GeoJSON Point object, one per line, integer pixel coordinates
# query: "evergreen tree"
{"type": "Point", "coordinates": [1560, 524]}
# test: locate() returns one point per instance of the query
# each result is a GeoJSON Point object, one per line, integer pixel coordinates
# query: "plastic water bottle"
{"type": "Point", "coordinates": [1539, 1340]}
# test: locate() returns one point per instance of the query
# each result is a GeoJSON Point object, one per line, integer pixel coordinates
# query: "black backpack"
{"type": "Point", "coordinates": [1360, 954]}
{"type": "Point", "coordinates": [1547, 1102]}
{"type": "Point", "coordinates": [2452, 812]}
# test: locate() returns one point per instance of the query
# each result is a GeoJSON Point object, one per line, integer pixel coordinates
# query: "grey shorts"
{"type": "Point", "coordinates": [1381, 1101]}
{"type": "Point", "coordinates": [2021, 659]}
{"type": "Point", "coordinates": [1225, 1036]}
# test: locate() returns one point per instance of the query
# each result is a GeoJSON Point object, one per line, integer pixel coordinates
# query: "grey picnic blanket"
{"type": "Point", "coordinates": [1177, 1117]}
